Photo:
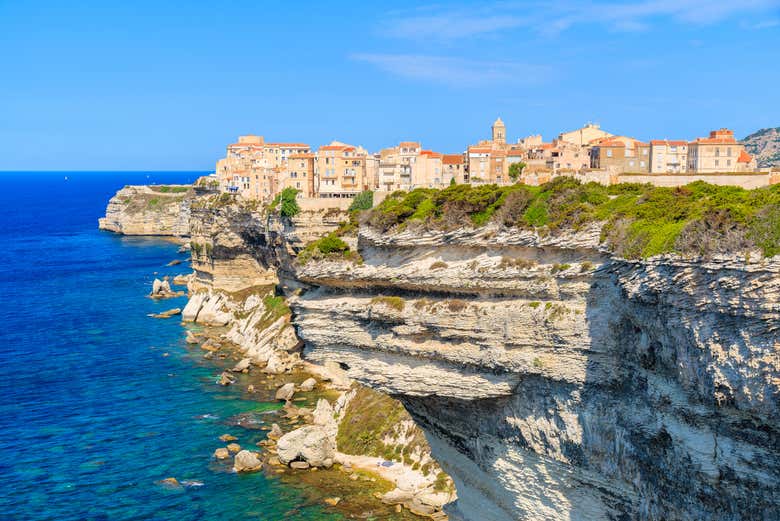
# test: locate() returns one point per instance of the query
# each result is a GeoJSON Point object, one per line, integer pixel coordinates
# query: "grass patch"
{"type": "Point", "coordinates": [396, 303]}
{"type": "Point", "coordinates": [438, 265]}
{"type": "Point", "coordinates": [640, 220]}
{"type": "Point", "coordinates": [167, 189]}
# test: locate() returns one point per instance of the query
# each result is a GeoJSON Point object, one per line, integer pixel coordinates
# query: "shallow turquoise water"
{"type": "Point", "coordinates": [92, 412]}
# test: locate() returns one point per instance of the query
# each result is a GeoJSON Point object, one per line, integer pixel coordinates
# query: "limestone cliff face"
{"type": "Point", "coordinates": [556, 382]}
{"type": "Point", "coordinates": [149, 210]}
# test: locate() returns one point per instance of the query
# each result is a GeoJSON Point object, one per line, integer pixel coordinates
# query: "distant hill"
{"type": "Point", "coordinates": [764, 145]}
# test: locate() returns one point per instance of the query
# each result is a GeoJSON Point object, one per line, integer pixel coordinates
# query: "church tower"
{"type": "Point", "coordinates": [499, 132]}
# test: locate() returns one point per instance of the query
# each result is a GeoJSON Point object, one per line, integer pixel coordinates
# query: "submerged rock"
{"type": "Point", "coordinates": [168, 314]}
{"type": "Point", "coordinates": [233, 447]}
{"type": "Point", "coordinates": [227, 437]}
{"type": "Point", "coordinates": [226, 378]}
{"type": "Point", "coordinates": [221, 453]}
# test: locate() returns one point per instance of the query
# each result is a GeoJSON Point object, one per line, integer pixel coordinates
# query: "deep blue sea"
{"type": "Point", "coordinates": [99, 402]}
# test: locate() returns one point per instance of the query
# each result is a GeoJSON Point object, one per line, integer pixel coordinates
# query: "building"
{"type": "Point", "coordinates": [620, 154]}
{"type": "Point", "coordinates": [667, 157]}
{"type": "Point", "coordinates": [252, 168]}
{"type": "Point", "coordinates": [488, 161]}
{"type": "Point", "coordinates": [498, 132]}
{"type": "Point", "coordinates": [454, 167]}
{"type": "Point", "coordinates": [340, 170]}
{"type": "Point", "coordinates": [585, 135]}
{"type": "Point", "coordinates": [298, 173]}
{"type": "Point", "coordinates": [719, 152]}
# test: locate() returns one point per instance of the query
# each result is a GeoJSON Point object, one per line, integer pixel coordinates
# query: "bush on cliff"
{"type": "Point", "coordinates": [362, 201]}
{"type": "Point", "coordinates": [285, 201]}
{"type": "Point", "coordinates": [639, 220]}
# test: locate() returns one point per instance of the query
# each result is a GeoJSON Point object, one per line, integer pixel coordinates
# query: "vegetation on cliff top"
{"type": "Point", "coordinates": [640, 220]}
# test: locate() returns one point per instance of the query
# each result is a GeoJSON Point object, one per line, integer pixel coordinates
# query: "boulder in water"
{"type": "Point", "coordinates": [311, 444]}
{"type": "Point", "coordinates": [285, 392]}
{"type": "Point", "coordinates": [246, 461]}
{"type": "Point", "coordinates": [221, 453]}
{"type": "Point", "coordinates": [308, 385]}
{"type": "Point", "coordinates": [242, 365]}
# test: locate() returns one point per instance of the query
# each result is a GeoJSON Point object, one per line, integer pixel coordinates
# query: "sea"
{"type": "Point", "coordinates": [99, 403]}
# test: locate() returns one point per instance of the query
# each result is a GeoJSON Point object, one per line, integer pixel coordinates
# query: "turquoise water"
{"type": "Point", "coordinates": [98, 402]}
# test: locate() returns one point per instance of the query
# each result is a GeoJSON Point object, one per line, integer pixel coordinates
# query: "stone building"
{"type": "Point", "coordinates": [668, 156]}
{"type": "Point", "coordinates": [340, 170]}
{"type": "Point", "coordinates": [454, 167]}
{"type": "Point", "coordinates": [585, 135]}
{"type": "Point", "coordinates": [719, 152]}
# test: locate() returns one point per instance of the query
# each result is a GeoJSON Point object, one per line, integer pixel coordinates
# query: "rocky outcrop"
{"type": "Point", "coordinates": [556, 382]}
{"type": "Point", "coordinates": [149, 210]}
{"type": "Point", "coordinates": [764, 145]}
{"type": "Point", "coordinates": [552, 380]}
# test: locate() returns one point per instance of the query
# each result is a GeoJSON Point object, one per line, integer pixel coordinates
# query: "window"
{"type": "Point", "coordinates": [717, 154]}
{"type": "Point", "coordinates": [728, 162]}
{"type": "Point", "coordinates": [717, 163]}
{"type": "Point", "coordinates": [728, 153]}
{"type": "Point", "coordinates": [609, 153]}
{"type": "Point", "coordinates": [642, 164]}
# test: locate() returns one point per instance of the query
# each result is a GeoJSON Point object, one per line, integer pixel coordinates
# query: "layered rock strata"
{"type": "Point", "coordinates": [149, 210]}
{"type": "Point", "coordinates": [556, 382]}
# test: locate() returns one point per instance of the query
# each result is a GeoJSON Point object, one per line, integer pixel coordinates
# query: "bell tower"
{"type": "Point", "coordinates": [499, 132]}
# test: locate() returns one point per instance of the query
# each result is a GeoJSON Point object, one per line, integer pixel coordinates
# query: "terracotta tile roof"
{"type": "Point", "coordinates": [452, 159]}
{"type": "Point", "coordinates": [480, 149]}
{"type": "Point", "coordinates": [430, 153]}
{"type": "Point", "coordinates": [744, 157]}
{"type": "Point", "coordinates": [246, 145]}
{"type": "Point", "coordinates": [287, 145]}
{"type": "Point", "coordinates": [337, 147]}
{"type": "Point", "coordinates": [713, 141]}
{"type": "Point", "coordinates": [516, 153]}
{"type": "Point", "coordinates": [667, 142]}
{"type": "Point", "coordinates": [409, 144]}
{"type": "Point", "coordinates": [305, 155]}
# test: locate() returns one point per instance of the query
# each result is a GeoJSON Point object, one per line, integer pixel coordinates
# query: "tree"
{"type": "Point", "coordinates": [290, 206]}
{"type": "Point", "coordinates": [453, 182]}
{"type": "Point", "coordinates": [515, 170]}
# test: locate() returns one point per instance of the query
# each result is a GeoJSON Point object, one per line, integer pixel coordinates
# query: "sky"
{"type": "Point", "coordinates": [167, 85]}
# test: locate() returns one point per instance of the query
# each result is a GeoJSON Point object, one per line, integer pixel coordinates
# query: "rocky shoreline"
{"type": "Point", "coordinates": [549, 378]}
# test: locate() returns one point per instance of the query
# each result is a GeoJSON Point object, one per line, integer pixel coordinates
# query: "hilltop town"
{"type": "Point", "coordinates": [259, 170]}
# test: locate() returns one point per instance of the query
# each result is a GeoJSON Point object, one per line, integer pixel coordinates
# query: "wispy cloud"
{"type": "Point", "coordinates": [555, 16]}
{"type": "Point", "coordinates": [457, 72]}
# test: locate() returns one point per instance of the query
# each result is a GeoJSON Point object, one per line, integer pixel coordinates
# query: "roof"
{"type": "Point", "coordinates": [430, 153]}
{"type": "Point", "coordinates": [337, 147]}
{"type": "Point", "coordinates": [744, 157]}
{"type": "Point", "coordinates": [409, 144]}
{"type": "Point", "coordinates": [714, 141]}
{"type": "Point", "coordinates": [452, 159]}
{"type": "Point", "coordinates": [305, 155]}
{"type": "Point", "coordinates": [246, 145]}
{"type": "Point", "coordinates": [666, 142]}
{"type": "Point", "coordinates": [480, 149]}
{"type": "Point", "coordinates": [610, 143]}
{"type": "Point", "coordinates": [287, 145]}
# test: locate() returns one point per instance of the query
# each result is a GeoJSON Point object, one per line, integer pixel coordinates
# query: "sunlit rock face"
{"type": "Point", "coordinates": [556, 382]}
{"type": "Point", "coordinates": [142, 210]}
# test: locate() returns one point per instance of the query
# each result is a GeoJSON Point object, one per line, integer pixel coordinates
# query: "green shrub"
{"type": "Point", "coordinates": [639, 220]}
{"type": "Point", "coordinates": [289, 206]}
{"type": "Point", "coordinates": [362, 201]}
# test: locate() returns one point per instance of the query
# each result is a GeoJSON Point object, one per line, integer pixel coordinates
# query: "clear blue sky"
{"type": "Point", "coordinates": [166, 85]}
